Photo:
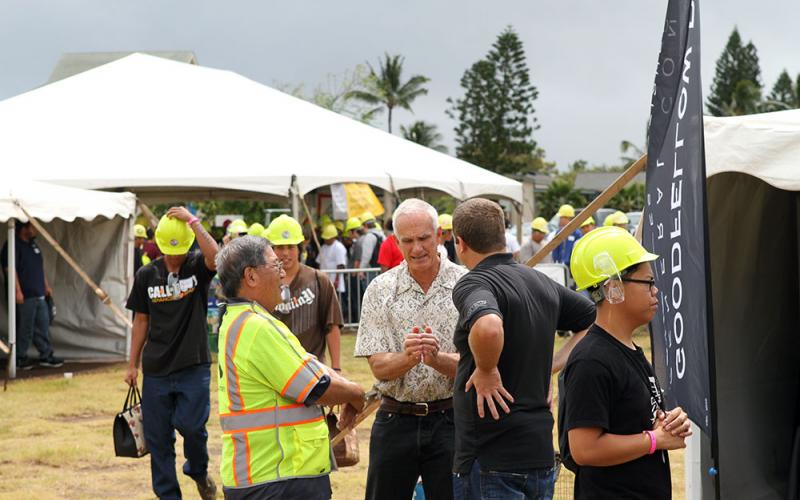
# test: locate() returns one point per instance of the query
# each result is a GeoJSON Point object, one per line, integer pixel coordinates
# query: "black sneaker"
{"type": "Point", "coordinates": [25, 364]}
{"type": "Point", "coordinates": [51, 362]}
{"type": "Point", "coordinates": [207, 488]}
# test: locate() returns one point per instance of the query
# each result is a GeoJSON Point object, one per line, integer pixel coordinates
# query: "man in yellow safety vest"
{"type": "Point", "coordinates": [274, 436]}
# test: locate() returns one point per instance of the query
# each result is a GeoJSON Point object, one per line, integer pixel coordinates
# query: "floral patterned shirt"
{"type": "Point", "coordinates": [393, 304]}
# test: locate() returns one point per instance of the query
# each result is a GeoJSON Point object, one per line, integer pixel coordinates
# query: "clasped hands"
{"type": "Point", "coordinates": [422, 346]}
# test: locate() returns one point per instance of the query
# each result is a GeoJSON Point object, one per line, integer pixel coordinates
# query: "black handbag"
{"type": "Point", "coordinates": [128, 427]}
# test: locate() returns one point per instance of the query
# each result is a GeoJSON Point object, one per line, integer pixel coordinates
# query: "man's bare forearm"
{"type": "Point", "coordinates": [560, 358]}
{"type": "Point", "coordinates": [446, 363]}
{"type": "Point", "coordinates": [207, 243]}
{"type": "Point", "coordinates": [486, 341]}
{"type": "Point", "coordinates": [333, 339]}
{"type": "Point", "coordinates": [141, 322]}
{"type": "Point", "coordinates": [391, 365]}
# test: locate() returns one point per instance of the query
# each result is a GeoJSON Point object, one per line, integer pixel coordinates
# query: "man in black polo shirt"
{"type": "Point", "coordinates": [33, 313]}
{"type": "Point", "coordinates": [508, 315]}
{"type": "Point", "coordinates": [170, 299]}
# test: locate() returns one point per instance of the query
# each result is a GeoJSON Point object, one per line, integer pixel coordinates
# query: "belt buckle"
{"type": "Point", "coordinates": [424, 405]}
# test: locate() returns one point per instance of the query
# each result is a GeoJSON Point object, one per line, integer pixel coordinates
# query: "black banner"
{"type": "Point", "coordinates": [675, 218]}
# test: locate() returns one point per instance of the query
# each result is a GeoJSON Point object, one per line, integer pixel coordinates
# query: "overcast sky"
{"type": "Point", "coordinates": [593, 62]}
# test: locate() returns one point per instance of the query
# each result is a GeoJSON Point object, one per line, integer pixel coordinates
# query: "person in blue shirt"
{"type": "Point", "coordinates": [563, 252]}
{"type": "Point", "coordinates": [33, 313]}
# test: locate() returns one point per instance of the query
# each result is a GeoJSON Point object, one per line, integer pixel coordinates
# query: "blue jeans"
{"type": "Point", "coordinates": [483, 484]}
{"type": "Point", "coordinates": [33, 324]}
{"type": "Point", "coordinates": [179, 401]}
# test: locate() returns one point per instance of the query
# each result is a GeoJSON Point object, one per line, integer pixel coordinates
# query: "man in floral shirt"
{"type": "Point", "coordinates": [406, 333]}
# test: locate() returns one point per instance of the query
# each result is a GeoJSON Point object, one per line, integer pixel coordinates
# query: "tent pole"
{"type": "Point", "coordinates": [149, 215]}
{"type": "Point", "coordinates": [101, 294]}
{"type": "Point", "coordinates": [310, 221]}
{"type": "Point", "coordinates": [12, 300]}
{"type": "Point", "coordinates": [597, 203]}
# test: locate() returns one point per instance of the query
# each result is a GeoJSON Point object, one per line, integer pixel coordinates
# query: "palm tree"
{"type": "Point", "coordinates": [385, 88]}
{"type": "Point", "coordinates": [424, 134]}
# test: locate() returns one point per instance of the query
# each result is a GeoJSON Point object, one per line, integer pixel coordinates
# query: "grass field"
{"type": "Point", "coordinates": [55, 440]}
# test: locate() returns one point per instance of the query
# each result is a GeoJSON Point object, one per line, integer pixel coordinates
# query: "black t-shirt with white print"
{"type": "Point", "coordinates": [178, 334]}
{"type": "Point", "coordinates": [613, 387]}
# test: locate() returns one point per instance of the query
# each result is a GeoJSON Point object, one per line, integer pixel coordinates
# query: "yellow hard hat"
{"type": "Point", "coordinates": [366, 217]}
{"type": "Point", "coordinates": [255, 229]}
{"type": "Point", "coordinates": [566, 211]}
{"type": "Point", "coordinates": [540, 224]}
{"type": "Point", "coordinates": [587, 222]}
{"type": "Point", "coordinates": [339, 225]}
{"type": "Point", "coordinates": [446, 222]}
{"type": "Point", "coordinates": [139, 231]}
{"type": "Point", "coordinates": [620, 218]}
{"type": "Point", "coordinates": [284, 230]}
{"type": "Point", "coordinates": [614, 242]}
{"type": "Point", "coordinates": [329, 232]}
{"type": "Point", "coordinates": [145, 259]}
{"type": "Point", "coordinates": [324, 220]}
{"type": "Point", "coordinates": [352, 223]}
{"type": "Point", "coordinates": [173, 236]}
{"type": "Point", "coordinates": [237, 227]}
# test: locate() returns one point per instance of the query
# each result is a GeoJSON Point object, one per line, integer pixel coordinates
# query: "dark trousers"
{"type": "Point", "coordinates": [33, 325]}
{"type": "Point", "coordinates": [486, 484]}
{"type": "Point", "coordinates": [179, 401]}
{"type": "Point", "coordinates": [312, 488]}
{"type": "Point", "coordinates": [405, 447]}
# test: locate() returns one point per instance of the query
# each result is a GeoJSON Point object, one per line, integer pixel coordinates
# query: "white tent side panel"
{"type": "Point", "coordinates": [85, 328]}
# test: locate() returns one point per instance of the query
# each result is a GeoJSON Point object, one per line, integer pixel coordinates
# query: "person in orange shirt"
{"type": "Point", "coordinates": [389, 255]}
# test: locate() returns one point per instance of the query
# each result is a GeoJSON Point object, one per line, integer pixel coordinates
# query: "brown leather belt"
{"type": "Point", "coordinates": [419, 409]}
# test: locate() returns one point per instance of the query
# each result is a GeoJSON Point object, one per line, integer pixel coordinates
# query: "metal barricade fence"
{"type": "Point", "coordinates": [351, 290]}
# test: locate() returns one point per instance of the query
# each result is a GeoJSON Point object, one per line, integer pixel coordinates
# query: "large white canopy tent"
{"type": "Point", "coordinates": [165, 129]}
{"type": "Point", "coordinates": [95, 229]}
{"type": "Point", "coordinates": [753, 168]}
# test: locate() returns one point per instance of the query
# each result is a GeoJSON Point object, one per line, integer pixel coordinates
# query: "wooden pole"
{"type": "Point", "coordinates": [597, 203]}
{"type": "Point", "coordinates": [368, 410]}
{"type": "Point", "coordinates": [310, 218]}
{"type": "Point", "coordinates": [149, 215]}
{"type": "Point", "coordinates": [101, 294]}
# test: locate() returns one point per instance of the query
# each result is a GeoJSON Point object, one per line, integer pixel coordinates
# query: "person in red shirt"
{"type": "Point", "coordinates": [389, 254]}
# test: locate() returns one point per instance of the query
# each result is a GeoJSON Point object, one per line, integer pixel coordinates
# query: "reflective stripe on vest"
{"type": "Point", "coordinates": [241, 459]}
{"type": "Point", "coordinates": [303, 380]}
{"type": "Point", "coordinates": [267, 418]}
{"type": "Point", "coordinates": [235, 402]}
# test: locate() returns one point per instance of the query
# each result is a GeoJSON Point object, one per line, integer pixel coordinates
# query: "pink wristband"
{"type": "Point", "coordinates": [652, 436]}
{"type": "Point", "coordinates": [193, 220]}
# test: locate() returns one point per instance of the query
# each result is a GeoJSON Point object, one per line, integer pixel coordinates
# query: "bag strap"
{"type": "Point", "coordinates": [127, 404]}
{"type": "Point", "coordinates": [133, 398]}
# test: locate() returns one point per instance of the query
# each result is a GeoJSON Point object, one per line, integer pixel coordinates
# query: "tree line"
{"type": "Point", "coordinates": [496, 117]}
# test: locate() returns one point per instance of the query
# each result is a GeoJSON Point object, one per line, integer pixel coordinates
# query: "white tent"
{"type": "Point", "coordinates": [95, 228]}
{"type": "Point", "coordinates": [753, 167]}
{"type": "Point", "coordinates": [162, 127]}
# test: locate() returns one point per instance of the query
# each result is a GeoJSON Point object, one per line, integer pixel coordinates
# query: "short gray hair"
{"type": "Point", "coordinates": [242, 252]}
{"type": "Point", "coordinates": [414, 206]}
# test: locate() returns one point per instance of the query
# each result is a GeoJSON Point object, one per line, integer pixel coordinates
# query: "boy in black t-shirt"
{"type": "Point", "coordinates": [170, 297]}
{"type": "Point", "coordinates": [508, 315]}
{"type": "Point", "coordinates": [611, 407]}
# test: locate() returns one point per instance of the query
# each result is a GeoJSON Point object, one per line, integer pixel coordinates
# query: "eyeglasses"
{"type": "Point", "coordinates": [277, 265]}
{"type": "Point", "coordinates": [650, 283]}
